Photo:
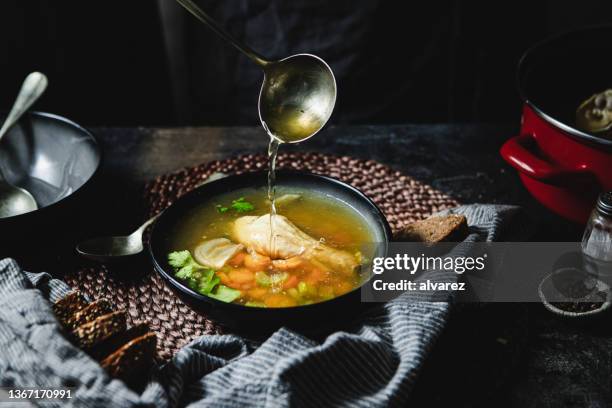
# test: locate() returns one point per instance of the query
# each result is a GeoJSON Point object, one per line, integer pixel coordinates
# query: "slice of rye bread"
{"type": "Point", "coordinates": [130, 362]}
{"type": "Point", "coordinates": [91, 333]}
{"type": "Point", "coordinates": [443, 228]}
{"type": "Point", "coordinates": [67, 306]}
{"type": "Point", "coordinates": [113, 343]}
{"type": "Point", "coordinates": [89, 313]}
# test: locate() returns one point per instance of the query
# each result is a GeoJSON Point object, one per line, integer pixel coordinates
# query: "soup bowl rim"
{"type": "Point", "coordinates": [168, 276]}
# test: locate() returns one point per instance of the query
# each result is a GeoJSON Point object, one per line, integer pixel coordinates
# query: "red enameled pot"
{"type": "Point", "coordinates": [562, 167]}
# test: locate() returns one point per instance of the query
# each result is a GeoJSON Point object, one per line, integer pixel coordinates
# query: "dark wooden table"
{"type": "Point", "coordinates": [508, 355]}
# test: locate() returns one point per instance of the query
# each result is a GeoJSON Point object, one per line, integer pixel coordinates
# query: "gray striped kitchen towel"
{"type": "Point", "coordinates": [374, 364]}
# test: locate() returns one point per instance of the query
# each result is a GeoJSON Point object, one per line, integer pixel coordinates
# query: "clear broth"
{"type": "Point", "coordinates": [324, 218]}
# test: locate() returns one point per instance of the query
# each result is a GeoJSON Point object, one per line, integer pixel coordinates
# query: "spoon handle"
{"type": "Point", "coordinates": [213, 25]}
{"type": "Point", "coordinates": [33, 86]}
{"type": "Point", "coordinates": [147, 223]}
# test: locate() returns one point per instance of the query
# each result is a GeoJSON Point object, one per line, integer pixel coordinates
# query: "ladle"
{"type": "Point", "coordinates": [298, 93]}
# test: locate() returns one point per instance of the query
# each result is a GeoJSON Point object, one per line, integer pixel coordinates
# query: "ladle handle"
{"type": "Point", "coordinates": [213, 25]}
{"type": "Point", "coordinates": [33, 87]}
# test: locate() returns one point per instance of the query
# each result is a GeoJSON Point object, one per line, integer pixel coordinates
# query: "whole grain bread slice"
{"type": "Point", "coordinates": [91, 333]}
{"type": "Point", "coordinates": [65, 308]}
{"type": "Point", "coordinates": [115, 342]}
{"type": "Point", "coordinates": [89, 313]}
{"type": "Point", "coordinates": [443, 228]}
{"type": "Point", "coordinates": [130, 362]}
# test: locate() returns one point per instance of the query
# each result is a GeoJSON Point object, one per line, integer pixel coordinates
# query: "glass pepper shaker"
{"type": "Point", "coordinates": [597, 238]}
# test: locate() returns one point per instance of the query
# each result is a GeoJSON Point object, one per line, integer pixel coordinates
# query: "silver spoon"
{"type": "Point", "coordinates": [110, 248]}
{"type": "Point", "coordinates": [104, 249]}
{"type": "Point", "coordinates": [15, 200]}
{"type": "Point", "coordinates": [298, 93]}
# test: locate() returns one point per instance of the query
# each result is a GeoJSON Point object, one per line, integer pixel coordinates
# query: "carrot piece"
{"type": "Point", "coordinates": [241, 275]}
{"type": "Point", "coordinates": [256, 262]}
{"type": "Point", "coordinates": [279, 300]}
{"type": "Point", "coordinates": [233, 285]}
{"type": "Point", "coordinates": [237, 260]}
{"type": "Point", "coordinates": [290, 282]}
{"type": "Point", "coordinates": [224, 278]}
{"type": "Point", "coordinates": [247, 285]}
{"type": "Point", "coordinates": [258, 293]}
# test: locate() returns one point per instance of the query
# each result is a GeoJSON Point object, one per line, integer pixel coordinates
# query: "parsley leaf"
{"type": "Point", "coordinates": [184, 265]}
{"type": "Point", "coordinates": [200, 278]}
{"type": "Point", "coordinates": [241, 205]}
{"type": "Point", "coordinates": [221, 209]}
{"type": "Point", "coordinates": [208, 281]}
{"type": "Point", "coordinates": [178, 259]}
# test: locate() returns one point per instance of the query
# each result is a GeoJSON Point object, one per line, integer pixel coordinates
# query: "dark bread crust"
{"type": "Point", "coordinates": [444, 228]}
{"type": "Point", "coordinates": [89, 313]}
{"type": "Point", "coordinates": [65, 308]}
{"type": "Point", "coordinates": [115, 342]}
{"type": "Point", "coordinates": [89, 334]}
{"type": "Point", "coordinates": [133, 359]}
{"type": "Point", "coordinates": [127, 354]}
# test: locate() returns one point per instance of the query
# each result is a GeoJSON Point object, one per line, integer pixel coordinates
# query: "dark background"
{"type": "Point", "coordinates": [147, 62]}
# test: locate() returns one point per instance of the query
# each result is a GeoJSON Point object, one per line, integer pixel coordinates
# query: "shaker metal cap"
{"type": "Point", "coordinates": [604, 203]}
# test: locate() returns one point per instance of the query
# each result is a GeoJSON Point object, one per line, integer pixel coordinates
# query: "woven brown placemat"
{"type": "Point", "coordinates": [402, 199]}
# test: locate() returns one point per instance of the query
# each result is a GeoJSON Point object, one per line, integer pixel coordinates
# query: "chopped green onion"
{"type": "Point", "coordinates": [225, 294]}
{"type": "Point", "coordinates": [278, 278]}
{"type": "Point", "coordinates": [293, 292]}
{"type": "Point", "coordinates": [262, 279]}
{"type": "Point", "coordinates": [306, 289]}
{"type": "Point", "coordinates": [255, 304]}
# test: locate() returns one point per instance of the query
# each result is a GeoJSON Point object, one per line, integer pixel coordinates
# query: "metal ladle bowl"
{"type": "Point", "coordinates": [297, 97]}
{"type": "Point", "coordinates": [298, 93]}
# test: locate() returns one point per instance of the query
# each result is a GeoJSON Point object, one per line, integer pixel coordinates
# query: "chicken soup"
{"type": "Point", "coordinates": [231, 249]}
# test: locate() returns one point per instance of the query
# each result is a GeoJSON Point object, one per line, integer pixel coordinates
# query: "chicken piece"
{"type": "Point", "coordinates": [287, 199]}
{"type": "Point", "coordinates": [289, 241]}
{"type": "Point", "coordinates": [216, 252]}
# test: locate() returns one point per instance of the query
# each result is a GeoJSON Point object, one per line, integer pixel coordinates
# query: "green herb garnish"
{"type": "Point", "coordinates": [178, 259]}
{"type": "Point", "coordinates": [225, 294]}
{"type": "Point", "coordinates": [255, 304]}
{"type": "Point", "coordinates": [241, 205]}
{"type": "Point", "coordinates": [184, 265]}
{"type": "Point", "coordinates": [200, 278]}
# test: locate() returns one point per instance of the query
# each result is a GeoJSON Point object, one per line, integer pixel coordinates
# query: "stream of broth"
{"type": "Point", "coordinates": [272, 153]}
{"type": "Point", "coordinates": [292, 125]}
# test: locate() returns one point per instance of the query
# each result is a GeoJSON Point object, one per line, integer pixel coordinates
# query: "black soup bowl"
{"type": "Point", "coordinates": [316, 317]}
{"type": "Point", "coordinates": [55, 160]}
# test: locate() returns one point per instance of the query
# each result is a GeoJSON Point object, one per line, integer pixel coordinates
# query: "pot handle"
{"type": "Point", "coordinates": [517, 153]}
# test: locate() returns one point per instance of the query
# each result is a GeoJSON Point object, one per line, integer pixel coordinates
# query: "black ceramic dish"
{"type": "Point", "coordinates": [336, 311]}
{"type": "Point", "coordinates": [54, 159]}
